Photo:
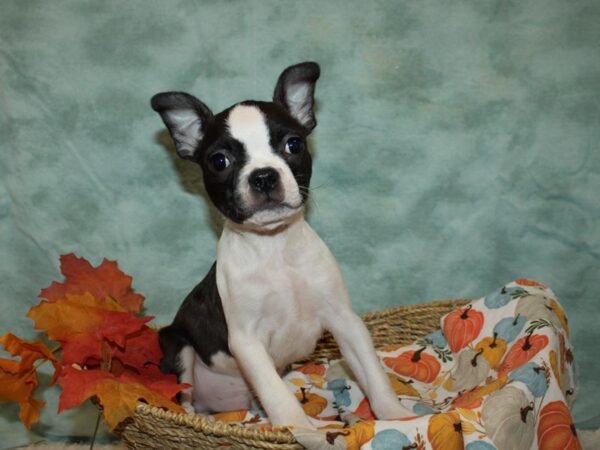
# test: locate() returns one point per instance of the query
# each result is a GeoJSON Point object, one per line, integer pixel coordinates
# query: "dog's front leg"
{"type": "Point", "coordinates": [357, 347]}
{"type": "Point", "coordinates": [257, 367]}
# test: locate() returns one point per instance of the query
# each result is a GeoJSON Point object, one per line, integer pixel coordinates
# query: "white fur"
{"type": "Point", "coordinates": [247, 125]}
{"type": "Point", "coordinates": [187, 360]}
{"type": "Point", "coordinates": [280, 287]}
{"type": "Point", "coordinates": [279, 292]}
{"type": "Point", "coordinates": [297, 98]}
{"type": "Point", "coordinates": [187, 130]}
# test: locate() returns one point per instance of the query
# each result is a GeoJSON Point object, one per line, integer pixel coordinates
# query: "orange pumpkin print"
{"type": "Point", "coordinates": [461, 327]}
{"type": "Point", "coordinates": [556, 430]}
{"type": "Point", "coordinates": [312, 404]}
{"type": "Point", "coordinates": [402, 387]}
{"type": "Point", "coordinates": [492, 349]}
{"type": "Point", "coordinates": [415, 364]}
{"type": "Point", "coordinates": [231, 416]}
{"type": "Point", "coordinates": [312, 369]}
{"type": "Point", "coordinates": [528, 282]}
{"type": "Point", "coordinates": [522, 351]}
{"type": "Point", "coordinates": [364, 410]}
{"type": "Point", "coordinates": [473, 398]}
{"type": "Point", "coordinates": [360, 433]}
{"type": "Point", "coordinates": [445, 431]}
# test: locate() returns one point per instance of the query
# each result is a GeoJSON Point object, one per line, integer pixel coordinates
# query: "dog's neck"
{"type": "Point", "coordinates": [277, 229]}
{"type": "Point", "coordinates": [238, 243]}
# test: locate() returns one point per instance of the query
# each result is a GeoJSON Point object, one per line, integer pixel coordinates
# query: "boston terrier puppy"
{"type": "Point", "coordinates": [275, 286]}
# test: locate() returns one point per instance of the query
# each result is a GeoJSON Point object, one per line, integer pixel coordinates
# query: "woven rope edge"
{"type": "Point", "coordinates": [384, 324]}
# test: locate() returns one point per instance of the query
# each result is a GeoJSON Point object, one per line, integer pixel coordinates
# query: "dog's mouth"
{"type": "Point", "coordinates": [272, 214]}
{"type": "Point", "coordinates": [273, 204]}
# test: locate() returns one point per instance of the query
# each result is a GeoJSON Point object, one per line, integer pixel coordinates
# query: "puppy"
{"type": "Point", "coordinates": [275, 286]}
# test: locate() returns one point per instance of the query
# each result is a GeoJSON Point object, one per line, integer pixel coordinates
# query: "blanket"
{"type": "Point", "coordinates": [498, 374]}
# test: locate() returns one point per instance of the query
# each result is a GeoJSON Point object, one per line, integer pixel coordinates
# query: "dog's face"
{"type": "Point", "coordinates": [253, 155]}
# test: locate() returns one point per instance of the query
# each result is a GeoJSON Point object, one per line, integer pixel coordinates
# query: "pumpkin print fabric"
{"type": "Point", "coordinates": [497, 375]}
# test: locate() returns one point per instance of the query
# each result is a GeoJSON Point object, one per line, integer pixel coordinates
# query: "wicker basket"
{"type": "Point", "coordinates": [154, 428]}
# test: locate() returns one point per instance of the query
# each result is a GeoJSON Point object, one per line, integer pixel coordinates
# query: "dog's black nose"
{"type": "Point", "coordinates": [264, 180]}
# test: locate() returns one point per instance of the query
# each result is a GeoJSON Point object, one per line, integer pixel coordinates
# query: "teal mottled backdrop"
{"type": "Point", "coordinates": [457, 149]}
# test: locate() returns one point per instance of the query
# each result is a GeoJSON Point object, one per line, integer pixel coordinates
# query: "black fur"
{"type": "Point", "coordinates": [200, 322]}
{"type": "Point", "coordinates": [220, 186]}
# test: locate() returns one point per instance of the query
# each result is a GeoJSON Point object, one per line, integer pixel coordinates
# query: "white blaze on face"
{"type": "Point", "coordinates": [247, 124]}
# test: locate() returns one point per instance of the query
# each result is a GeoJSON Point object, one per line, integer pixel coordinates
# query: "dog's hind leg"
{"type": "Point", "coordinates": [187, 360]}
{"type": "Point", "coordinates": [179, 359]}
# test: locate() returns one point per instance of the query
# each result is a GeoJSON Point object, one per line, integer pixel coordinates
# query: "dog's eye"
{"type": "Point", "coordinates": [219, 162]}
{"type": "Point", "coordinates": [294, 146]}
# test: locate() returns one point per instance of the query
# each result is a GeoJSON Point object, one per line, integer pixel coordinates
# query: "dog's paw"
{"type": "Point", "coordinates": [189, 408]}
{"type": "Point", "coordinates": [293, 420]}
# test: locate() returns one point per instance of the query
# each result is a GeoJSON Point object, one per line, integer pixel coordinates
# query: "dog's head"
{"type": "Point", "coordinates": [253, 155]}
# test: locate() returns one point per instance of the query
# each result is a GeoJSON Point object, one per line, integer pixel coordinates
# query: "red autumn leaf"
{"type": "Point", "coordinates": [90, 315]}
{"type": "Point", "coordinates": [118, 396]}
{"type": "Point", "coordinates": [521, 352]}
{"type": "Point", "coordinates": [461, 327]}
{"type": "Point", "coordinates": [104, 281]}
{"type": "Point", "coordinates": [81, 327]}
{"type": "Point", "coordinates": [18, 379]}
{"type": "Point", "coordinates": [141, 349]}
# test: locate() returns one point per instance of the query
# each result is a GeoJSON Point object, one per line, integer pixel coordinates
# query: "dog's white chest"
{"type": "Point", "coordinates": [274, 287]}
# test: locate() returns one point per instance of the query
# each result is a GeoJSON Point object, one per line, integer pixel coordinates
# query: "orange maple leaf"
{"type": "Point", "coordinates": [103, 281]}
{"type": "Point", "coordinates": [81, 327]}
{"type": "Point", "coordinates": [18, 379]}
{"type": "Point", "coordinates": [118, 396]}
{"type": "Point", "coordinates": [92, 316]}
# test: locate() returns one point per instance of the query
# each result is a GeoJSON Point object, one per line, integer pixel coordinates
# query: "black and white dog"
{"type": "Point", "coordinates": [275, 286]}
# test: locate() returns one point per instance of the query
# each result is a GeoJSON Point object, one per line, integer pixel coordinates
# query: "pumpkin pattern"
{"type": "Point", "coordinates": [522, 351]}
{"type": "Point", "coordinates": [502, 297]}
{"type": "Point", "coordinates": [492, 349]}
{"type": "Point", "coordinates": [445, 432]}
{"type": "Point", "coordinates": [555, 429]}
{"type": "Point", "coordinates": [497, 375]}
{"type": "Point", "coordinates": [415, 364]}
{"type": "Point", "coordinates": [470, 370]}
{"type": "Point", "coordinates": [541, 308]}
{"type": "Point", "coordinates": [508, 419]}
{"type": "Point", "coordinates": [313, 404]}
{"type": "Point", "coordinates": [533, 376]}
{"type": "Point", "coordinates": [461, 327]}
{"type": "Point", "coordinates": [510, 327]}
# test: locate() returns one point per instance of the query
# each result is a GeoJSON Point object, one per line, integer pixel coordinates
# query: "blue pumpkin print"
{"type": "Point", "coordinates": [437, 338]}
{"type": "Point", "coordinates": [421, 409]}
{"type": "Point", "coordinates": [340, 391]}
{"type": "Point", "coordinates": [389, 440]}
{"type": "Point", "coordinates": [510, 327]}
{"type": "Point", "coordinates": [501, 298]}
{"type": "Point", "coordinates": [533, 376]}
{"type": "Point", "coordinates": [479, 445]}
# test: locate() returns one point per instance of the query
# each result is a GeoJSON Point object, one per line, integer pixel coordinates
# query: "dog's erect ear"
{"type": "Point", "coordinates": [185, 116]}
{"type": "Point", "coordinates": [295, 90]}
